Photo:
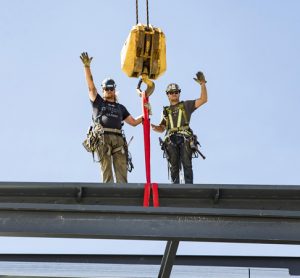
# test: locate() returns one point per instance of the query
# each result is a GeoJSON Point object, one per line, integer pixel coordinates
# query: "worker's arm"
{"type": "Point", "coordinates": [134, 121]}
{"type": "Point", "coordinates": [86, 60]}
{"type": "Point", "coordinates": [158, 128]}
{"type": "Point", "coordinates": [203, 92]}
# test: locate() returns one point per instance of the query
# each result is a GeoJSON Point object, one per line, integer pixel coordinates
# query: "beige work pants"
{"type": "Point", "coordinates": [113, 156]}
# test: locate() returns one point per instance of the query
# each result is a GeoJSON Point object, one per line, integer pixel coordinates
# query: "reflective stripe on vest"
{"type": "Point", "coordinates": [181, 112]}
{"type": "Point", "coordinates": [170, 119]}
{"type": "Point", "coordinates": [179, 117]}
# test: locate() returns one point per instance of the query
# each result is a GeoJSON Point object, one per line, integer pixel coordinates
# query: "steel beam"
{"type": "Point", "coordinates": [94, 221]}
{"type": "Point", "coordinates": [220, 213]}
{"type": "Point", "coordinates": [215, 213]}
{"type": "Point", "coordinates": [193, 196]}
{"type": "Point", "coordinates": [168, 259]}
{"type": "Point", "coordinates": [291, 263]}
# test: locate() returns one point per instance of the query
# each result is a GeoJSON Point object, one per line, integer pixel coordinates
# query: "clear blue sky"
{"type": "Point", "coordinates": [248, 50]}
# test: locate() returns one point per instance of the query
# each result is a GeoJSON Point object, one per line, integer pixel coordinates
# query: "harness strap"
{"type": "Point", "coordinates": [111, 151]}
{"type": "Point", "coordinates": [117, 150]}
{"type": "Point", "coordinates": [179, 117]}
{"type": "Point", "coordinates": [180, 128]}
{"type": "Point", "coordinates": [112, 130]}
{"type": "Point", "coordinates": [183, 113]}
{"type": "Point", "coordinates": [170, 119]}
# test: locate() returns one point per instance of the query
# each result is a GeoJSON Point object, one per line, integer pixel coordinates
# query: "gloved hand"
{"type": "Point", "coordinates": [86, 60]}
{"type": "Point", "coordinates": [200, 78]}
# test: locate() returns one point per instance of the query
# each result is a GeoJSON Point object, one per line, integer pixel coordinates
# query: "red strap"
{"type": "Point", "coordinates": [147, 189]}
{"type": "Point", "coordinates": [146, 128]}
{"type": "Point", "coordinates": [155, 195]}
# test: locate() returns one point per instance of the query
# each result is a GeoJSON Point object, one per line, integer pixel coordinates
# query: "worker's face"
{"type": "Point", "coordinates": [173, 95]}
{"type": "Point", "coordinates": [109, 93]}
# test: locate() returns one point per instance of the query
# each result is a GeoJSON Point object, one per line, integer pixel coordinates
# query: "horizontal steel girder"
{"type": "Point", "coordinates": [216, 213]}
{"type": "Point", "coordinates": [292, 263]}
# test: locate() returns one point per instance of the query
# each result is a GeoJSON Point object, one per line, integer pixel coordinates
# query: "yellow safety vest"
{"type": "Point", "coordinates": [179, 128]}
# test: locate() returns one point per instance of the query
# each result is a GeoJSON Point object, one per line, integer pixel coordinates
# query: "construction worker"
{"type": "Point", "coordinates": [180, 143]}
{"type": "Point", "coordinates": [109, 115]}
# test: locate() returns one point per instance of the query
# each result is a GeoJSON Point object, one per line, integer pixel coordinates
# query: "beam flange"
{"type": "Point", "coordinates": [241, 213]}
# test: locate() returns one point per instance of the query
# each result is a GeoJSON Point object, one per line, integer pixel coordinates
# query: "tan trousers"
{"type": "Point", "coordinates": [112, 155]}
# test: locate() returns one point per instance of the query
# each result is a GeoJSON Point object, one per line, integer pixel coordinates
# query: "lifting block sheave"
{"type": "Point", "coordinates": [144, 52]}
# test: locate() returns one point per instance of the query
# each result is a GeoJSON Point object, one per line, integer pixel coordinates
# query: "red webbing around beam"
{"type": "Point", "coordinates": [146, 129]}
{"type": "Point", "coordinates": [155, 195]}
{"type": "Point", "coordinates": [147, 190]}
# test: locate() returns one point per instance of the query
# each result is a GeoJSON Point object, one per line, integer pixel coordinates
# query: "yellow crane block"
{"type": "Point", "coordinates": [144, 51]}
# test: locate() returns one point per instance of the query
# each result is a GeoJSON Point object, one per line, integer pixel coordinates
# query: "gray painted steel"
{"type": "Point", "coordinates": [215, 213]}
{"type": "Point", "coordinates": [58, 270]}
{"type": "Point", "coordinates": [290, 263]}
{"type": "Point", "coordinates": [168, 259]}
{"type": "Point", "coordinates": [220, 213]}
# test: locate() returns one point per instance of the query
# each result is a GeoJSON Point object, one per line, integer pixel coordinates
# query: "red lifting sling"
{"type": "Point", "coordinates": [146, 129]}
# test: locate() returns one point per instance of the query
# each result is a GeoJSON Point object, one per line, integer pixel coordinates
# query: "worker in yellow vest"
{"type": "Point", "coordinates": [180, 143]}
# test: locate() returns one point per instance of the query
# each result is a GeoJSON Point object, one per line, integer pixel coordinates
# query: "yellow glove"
{"type": "Point", "coordinates": [200, 78]}
{"type": "Point", "coordinates": [86, 60]}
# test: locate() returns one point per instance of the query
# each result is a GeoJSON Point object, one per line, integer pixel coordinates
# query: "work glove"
{"type": "Point", "coordinates": [86, 60]}
{"type": "Point", "coordinates": [200, 78]}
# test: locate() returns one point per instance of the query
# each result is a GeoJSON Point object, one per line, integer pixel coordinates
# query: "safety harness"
{"type": "Point", "coordinates": [182, 130]}
{"type": "Point", "coordinates": [179, 128]}
{"type": "Point", "coordinates": [95, 140]}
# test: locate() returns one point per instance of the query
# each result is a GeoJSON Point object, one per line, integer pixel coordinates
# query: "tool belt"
{"type": "Point", "coordinates": [95, 140]}
{"type": "Point", "coordinates": [111, 130]}
{"type": "Point", "coordinates": [179, 129]}
{"type": "Point", "coordinates": [188, 136]}
{"type": "Point", "coordinates": [182, 131]}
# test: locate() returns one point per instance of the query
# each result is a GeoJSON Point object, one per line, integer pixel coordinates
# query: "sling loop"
{"type": "Point", "coordinates": [149, 187]}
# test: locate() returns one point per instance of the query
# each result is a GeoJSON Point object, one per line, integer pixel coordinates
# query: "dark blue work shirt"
{"type": "Point", "coordinates": [109, 114]}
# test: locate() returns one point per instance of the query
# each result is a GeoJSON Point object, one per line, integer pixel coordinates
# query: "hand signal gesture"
{"type": "Point", "coordinates": [200, 78]}
{"type": "Point", "coordinates": [86, 60]}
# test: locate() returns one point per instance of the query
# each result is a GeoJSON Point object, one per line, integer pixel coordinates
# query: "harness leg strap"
{"type": "Point", "coordinates": [118, 149]}
{"type": "Point", "coordinates": [108, 150]}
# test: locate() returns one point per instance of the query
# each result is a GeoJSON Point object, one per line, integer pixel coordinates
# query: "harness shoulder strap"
{"type": "Point", "coordinates": [183, 113]}
{"type": "Point", "coordinates": [168, 116]}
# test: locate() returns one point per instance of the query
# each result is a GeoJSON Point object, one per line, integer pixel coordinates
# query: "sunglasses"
{"type": "Point", "coordinates": [108, 89]}
{"type": "Point", "coordinates": [173, 92]}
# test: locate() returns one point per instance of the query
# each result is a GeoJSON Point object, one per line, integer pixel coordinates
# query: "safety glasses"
{"type": "Point", "coordinates": [173, 93]}
{"type": "Point", "coordinates": [109, 89]}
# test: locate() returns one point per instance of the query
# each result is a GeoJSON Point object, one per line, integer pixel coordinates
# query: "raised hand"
{"type": "Point", "coordinates": [200, 78]}
{"type": "Point", "coordinates": [86, 60]}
